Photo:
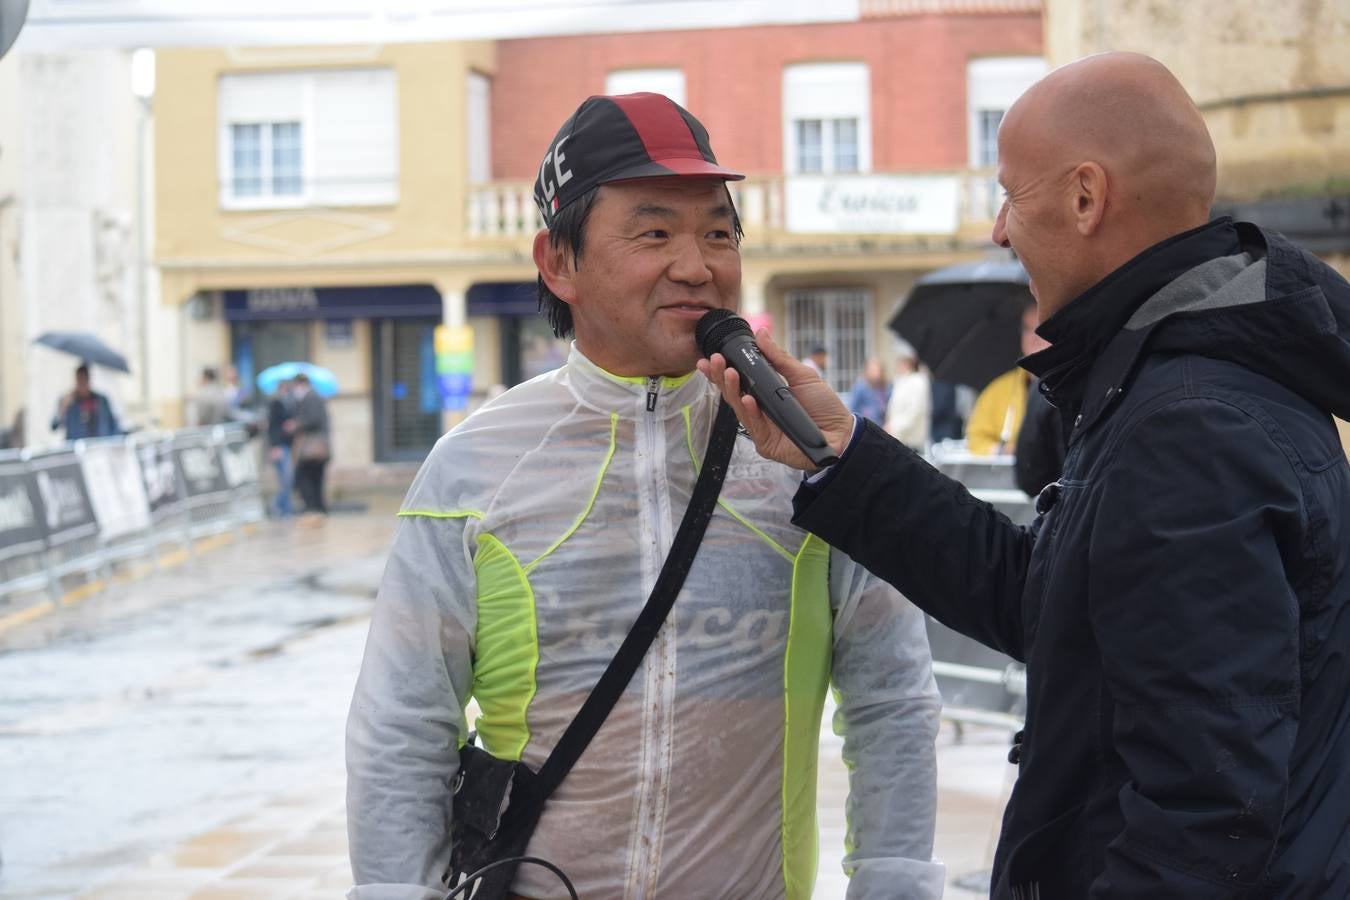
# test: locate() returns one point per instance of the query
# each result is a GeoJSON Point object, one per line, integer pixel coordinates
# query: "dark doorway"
{"type": "Point", "coordinates": [407, 396]}
{"type": "Point", "coordinates": [529, 348]}
{"type": "Point", "coordinates": [259, 345]}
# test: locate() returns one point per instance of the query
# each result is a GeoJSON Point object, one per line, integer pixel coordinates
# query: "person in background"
{"type": "Point", "coordinates": [14, 437]}
{"type": "Point", "coordinates": [871, 392]}
{"type": "Point", "coordinates": [84, 412]}
{"type": "Point", "coordinates": [310, 446]}
{"type": "Point", "coordinates": [235, 394]}
{"type": "Point", "coordinates": [211, 406]}
{"type": "Point", "coordinates": [909, 410]}
{"type": "Point", "coordinates": [279, 412]}
{"type": "Point", "coordinates": [997, 417]}
{"type": "Point", "coordinates": [947, 422]}
{"type": "Point", "coordinates": [817, 358]}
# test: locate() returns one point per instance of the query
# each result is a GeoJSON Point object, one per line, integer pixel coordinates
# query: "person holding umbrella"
{"type": "Point", "coordinates": [85, 413]}
{"type": "Point", "coordinates": [279, 438]}
{"type": "Point", "coordinates": [311, 445]}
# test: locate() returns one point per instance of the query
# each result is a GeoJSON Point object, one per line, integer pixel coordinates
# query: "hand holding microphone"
{"type": "Point", "coordinates": [782, 429]}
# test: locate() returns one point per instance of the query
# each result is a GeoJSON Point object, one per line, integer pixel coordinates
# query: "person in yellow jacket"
{"type": "Point", "coordinates": [997, 416]}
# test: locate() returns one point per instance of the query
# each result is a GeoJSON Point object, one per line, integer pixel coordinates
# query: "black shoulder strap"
{"type": "Point", "coordinates": [611, 685]}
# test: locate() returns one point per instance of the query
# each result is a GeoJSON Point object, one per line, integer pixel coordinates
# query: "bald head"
{"type": "Point", "coordinates": [1099, 160]}
{"type": "Point", "coordinates": [1128, 113]}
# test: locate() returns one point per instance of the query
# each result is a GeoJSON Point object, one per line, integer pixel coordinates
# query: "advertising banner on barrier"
{"type": "Point", "coordinates": [115, 489]}
{"type": "Point", "coordinates": [159, 476]}
{"type": "Point", "coordinates": [22, 525]}
{"type": "Point", "coordinates": [199, 464]}
{"type": "Point", "coordinates": [237, 460]}
{"type": "Point", "coordinates": [67, 512]}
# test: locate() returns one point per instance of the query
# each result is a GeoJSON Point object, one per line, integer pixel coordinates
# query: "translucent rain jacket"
{"type": "Point", "coordinates": [526, 548]}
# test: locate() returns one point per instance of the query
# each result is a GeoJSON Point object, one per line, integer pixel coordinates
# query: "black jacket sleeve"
{"type": "Point", "coordinates": [953, 556]}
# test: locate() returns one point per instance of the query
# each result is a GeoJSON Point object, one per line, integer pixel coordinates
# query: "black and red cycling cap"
{"type": "Point", "coordinates": [620, 138]}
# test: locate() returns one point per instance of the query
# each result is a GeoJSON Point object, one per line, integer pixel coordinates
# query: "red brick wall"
{"type": "Point", "coordinates": [734, 82]}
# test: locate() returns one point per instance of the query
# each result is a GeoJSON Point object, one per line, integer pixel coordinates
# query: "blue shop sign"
{"type": "Point", "coordinates": [396, 301]}
{"type": "Point", "coordinates": [399, 301]}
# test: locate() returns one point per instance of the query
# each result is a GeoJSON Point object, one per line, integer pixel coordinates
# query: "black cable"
{"type": "Point", "coordinates": [471, 878]}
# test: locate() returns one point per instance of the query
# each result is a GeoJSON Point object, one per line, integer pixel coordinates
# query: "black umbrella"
{"type": "Point", "coordinates": [86, 346]}
{"type": "Point", "coordinates": [965, 322]}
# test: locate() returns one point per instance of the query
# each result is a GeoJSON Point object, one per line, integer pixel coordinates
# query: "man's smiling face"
{"type": "Point", "coordinates": [657, 254]}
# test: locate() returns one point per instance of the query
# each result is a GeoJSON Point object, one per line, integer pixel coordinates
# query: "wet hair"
{"type": "Point", "coordinates": [569, 228]}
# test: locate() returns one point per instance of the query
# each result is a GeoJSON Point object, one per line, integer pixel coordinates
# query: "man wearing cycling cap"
{"type": "Point", "coordinates": [532, 537]}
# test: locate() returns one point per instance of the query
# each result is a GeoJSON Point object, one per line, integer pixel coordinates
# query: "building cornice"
{"type": "Point", "coordinates": [885, 9]}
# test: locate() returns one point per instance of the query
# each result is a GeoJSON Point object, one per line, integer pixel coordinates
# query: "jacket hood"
{"type": "Point", "coordinates": [1272, 307]}
{"type": "Point", "coordinates": [1226, 290]}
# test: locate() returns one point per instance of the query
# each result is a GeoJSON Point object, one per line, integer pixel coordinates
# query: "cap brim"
{"type": "Point", "coordinates": [682, 166]}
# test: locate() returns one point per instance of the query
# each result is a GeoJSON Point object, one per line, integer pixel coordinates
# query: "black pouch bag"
{"type": "Point", "coordinates": [496, 803]}
{"type": "Point", "coordinates": [496, 807]}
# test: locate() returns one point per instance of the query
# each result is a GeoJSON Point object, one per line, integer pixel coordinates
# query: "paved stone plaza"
{"type": "Point", "coordinates": [179, 736]}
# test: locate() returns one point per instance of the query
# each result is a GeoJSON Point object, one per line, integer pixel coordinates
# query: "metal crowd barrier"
{"type": "Point", "coordinates": [87, 506]}
{"type": "Point", "coordinates": [979, 685]}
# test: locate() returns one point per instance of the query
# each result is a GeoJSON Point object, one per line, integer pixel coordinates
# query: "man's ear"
{"type": "Point", "coordinates": [554, 263]}
{"type": "Point", "coordinates": [1089, 197]}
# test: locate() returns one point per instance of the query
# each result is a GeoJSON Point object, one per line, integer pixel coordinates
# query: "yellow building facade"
{"type": "Point", "coordinates": [310, 205]}
{"type": "Point", "coordinates": [335, 204]}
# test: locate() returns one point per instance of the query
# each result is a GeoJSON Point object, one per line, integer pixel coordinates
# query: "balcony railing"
{"type": "Point", "coordinates": [783, 206]}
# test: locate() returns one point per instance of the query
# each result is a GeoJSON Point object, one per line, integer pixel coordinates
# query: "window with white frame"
{"type": "Point", "coordinates": [840, 320]}
{"type": "Point", "coordinates": [478, 128]}
{"type": "Point", "coordinates": [827, 124]}
{"type": "Point", "coordinates": [326, 137]}
{"type": "Point", "coordinates": [992, 85]}
{"type": "Point", "coordinates": [657, 81]}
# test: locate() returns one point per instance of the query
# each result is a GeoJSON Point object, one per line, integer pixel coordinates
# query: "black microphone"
{"type": "Point", "coordinates": [722, 331]}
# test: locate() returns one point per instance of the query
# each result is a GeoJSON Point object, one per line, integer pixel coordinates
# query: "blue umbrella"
{"type": "Point", "coordinates": [323, 381]}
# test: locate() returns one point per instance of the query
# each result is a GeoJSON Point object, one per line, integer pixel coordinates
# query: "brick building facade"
{"type": "Point", "coordinates": [884, 111]}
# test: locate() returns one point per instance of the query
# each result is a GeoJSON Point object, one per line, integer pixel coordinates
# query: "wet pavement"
{"type": "Point", "coordinates": [179, 737]}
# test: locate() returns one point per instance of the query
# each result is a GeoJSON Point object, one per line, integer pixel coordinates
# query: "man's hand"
{"type": "Point", "coordinates": [816, 397]}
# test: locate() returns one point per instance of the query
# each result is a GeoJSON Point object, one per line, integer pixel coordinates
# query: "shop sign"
{"type": "Point", "coordinates": [872, 204]}
{"type": "Point", "coordinates": [454, 365]}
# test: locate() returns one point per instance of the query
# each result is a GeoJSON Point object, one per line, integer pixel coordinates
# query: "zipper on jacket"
{"type": "Point", "coordinates": [653, 385]}
{"type": "Point", "coordinates": [658, 674]}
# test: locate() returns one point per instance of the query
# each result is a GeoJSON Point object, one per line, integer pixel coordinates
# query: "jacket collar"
{"type": "Point", "coordinates": [1091, 354]}
{"type": "Point", "coordinates": [629, 396]}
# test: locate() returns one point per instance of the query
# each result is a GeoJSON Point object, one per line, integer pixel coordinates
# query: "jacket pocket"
{"type": "Point", "coordinates": [1052, 862]}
